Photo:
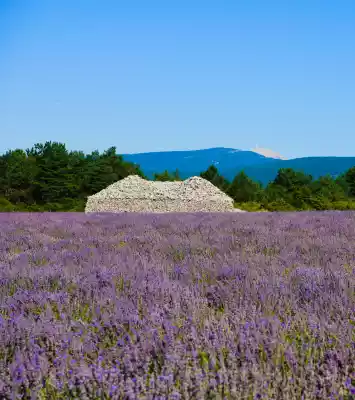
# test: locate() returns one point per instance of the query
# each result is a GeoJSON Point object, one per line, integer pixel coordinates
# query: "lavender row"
{"type": "Point", "coordinates": [177, 306]}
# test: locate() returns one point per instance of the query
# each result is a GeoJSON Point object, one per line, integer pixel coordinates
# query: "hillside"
{"type": "Point", "coordinates": [193, 162]}
{"type": "Point", "coordinates": [231, 161]}
{"type": "Point", "coordinates": [315, 166]}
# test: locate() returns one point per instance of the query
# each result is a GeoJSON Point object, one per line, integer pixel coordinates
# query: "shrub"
{"type": "Point", "coordinates": [280, 205]}
{"type": "Point", "coordinates": [251, 206]}
{"type": "Point", "coordinates": [319, 203]}
{"type": "Point", "coordinates": [5, 205]}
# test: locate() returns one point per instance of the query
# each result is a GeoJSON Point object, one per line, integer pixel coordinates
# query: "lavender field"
{"type": "Point", "coordinates": [177, 306]}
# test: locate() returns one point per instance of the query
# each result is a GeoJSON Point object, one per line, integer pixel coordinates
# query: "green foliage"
{"type": "Point", "coordinates": [343, 205]}
{"type": "Point", "coordinates": [49, 178]}
{"type": "Point", "coordinates": [293, 190]}
{"type": "Point", "coordinates": [290, 179]}
{"type": "Point", "coordinates": [212, 175]}
{"type": "Point", "coordinates": [5, 205]}
{"type": "Point", "coordinates": [251, 206]}
{"type": "Point", "coordinates": [280, 205]}
{"type": "Point", "coordinates": [289, 187]}
{"type": "Point", "coordinates": [176, 175]}
{"type": "Point", "coordinates": [350, 180]}
{"type": "Point", "coordinates": [243, 189]}
{"type": "Point", "coordinates": [329, 188]}
{"type": "Point", "coordinates": [166, 177]}
{"type": "Point", "coordinates": [318, 202]}
{"type": "Point", "coordinates": [4, 202]}
{"type": "Point", "coordinates": [17, 171]}
{"type": "Point", "coordinates": [56, 178]}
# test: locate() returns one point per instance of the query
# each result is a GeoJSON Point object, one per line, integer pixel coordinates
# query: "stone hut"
{"type": "Point", "coordinates": [135, 194]}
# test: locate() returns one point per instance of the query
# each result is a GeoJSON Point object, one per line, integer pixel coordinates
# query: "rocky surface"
{"type": "Point", "coordinates": [134, 194]}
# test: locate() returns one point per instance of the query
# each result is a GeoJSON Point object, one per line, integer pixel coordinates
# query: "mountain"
{"type": "Point", "coordinates": [315, 166]}
{"type": "Point", "coordinates": [193, 162]}
{"type": "Point", "coordinates": [230, 161]}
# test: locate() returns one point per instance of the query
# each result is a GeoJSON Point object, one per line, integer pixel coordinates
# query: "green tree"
{"type": "Point", "coordinates": [292, 187]}
{"type": "Point", "coordinates": [17, 174]}
{"type": "Point", "coordinates": [176, 175]}
{"type": "Point", "coordinates": [167, 177]}
{"type": "Point", "coordinates": [55, 179]}
{"type": "Point", "coordinates": [100, 171]}
{"type": "Point", "coordinates": [243, 189]}
{"type": "Point", "coordinates": [212, 175]}
{"type": "Point", "coordinates": [328, 188]}
{"type": "Point", "coordinates": [47, 177]}
{"type": "Point", "coordinates": [341, 181]}
{"type": "Point", "coordinates": [290, 179]}
{"type": "Point", "coordinates": [350, 180]}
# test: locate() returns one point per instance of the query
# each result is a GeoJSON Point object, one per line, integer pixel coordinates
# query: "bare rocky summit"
{"type": "Point", "coordinates": [135, 194]}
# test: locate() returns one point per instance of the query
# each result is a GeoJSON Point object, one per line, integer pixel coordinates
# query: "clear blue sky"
{"type": "Point", "coordinates": [179, 74]}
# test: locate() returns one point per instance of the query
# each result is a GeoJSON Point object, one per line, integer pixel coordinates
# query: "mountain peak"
{"type": "Point", "coordinates": [268, 153]}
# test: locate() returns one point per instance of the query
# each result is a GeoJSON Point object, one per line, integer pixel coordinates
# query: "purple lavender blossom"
{"type": "Point", "coordinates": [213, 305]}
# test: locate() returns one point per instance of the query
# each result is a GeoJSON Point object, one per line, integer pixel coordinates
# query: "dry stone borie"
{"type": "Point", "coordinates": [135, 194]}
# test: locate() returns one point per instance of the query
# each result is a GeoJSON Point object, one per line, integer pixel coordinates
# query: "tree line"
{"type": "Point", "coordinates": [48, 177]}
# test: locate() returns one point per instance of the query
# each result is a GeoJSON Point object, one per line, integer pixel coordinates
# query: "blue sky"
{"type": "Point", "coordinates": [177, 75]}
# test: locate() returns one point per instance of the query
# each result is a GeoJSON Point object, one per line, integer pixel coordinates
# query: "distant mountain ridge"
{"type": "Point", "coordinates": [230, 161]}
{"type": "Point", "coordinates": [193, 162]}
